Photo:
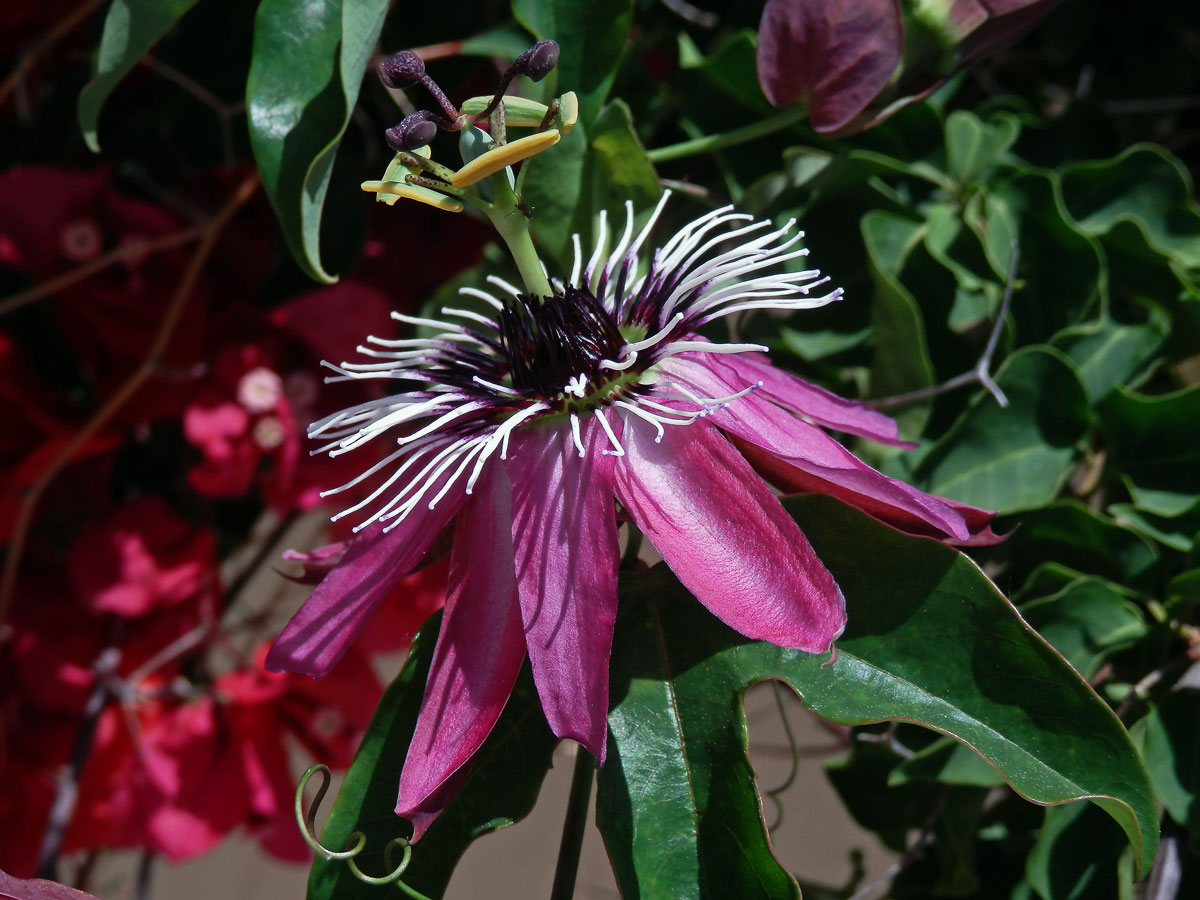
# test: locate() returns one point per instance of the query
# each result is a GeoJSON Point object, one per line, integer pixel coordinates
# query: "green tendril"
{"type": "Point", "coordinates": [355, 843]}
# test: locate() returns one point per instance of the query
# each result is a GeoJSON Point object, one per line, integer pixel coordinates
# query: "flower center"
{"type": "Point", "coordinates": [556, 348]}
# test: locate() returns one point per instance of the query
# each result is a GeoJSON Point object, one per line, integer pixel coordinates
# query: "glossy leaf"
{"type": "Point", "coordinates": [308, 63]}
{"type": "Point", "coordinates": [591, 37]}
{"type": "Point", "coordinates": [131, 28]}
{"type": "Point", "coordinates": [500, 789]}
{"type": "Point", "coordinates": [1015, 457]}
{"type": "Point", "coordinates": [929, 640]}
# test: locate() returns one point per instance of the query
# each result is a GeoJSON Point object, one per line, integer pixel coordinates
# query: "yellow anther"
{"type": "Point", "coordinates": [505, 155]}
{"type": "Point", "coordinates": [388, 191]}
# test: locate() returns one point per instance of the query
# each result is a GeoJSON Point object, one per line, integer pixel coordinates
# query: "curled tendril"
{"type": "Point", "coordinates": [355, 843]}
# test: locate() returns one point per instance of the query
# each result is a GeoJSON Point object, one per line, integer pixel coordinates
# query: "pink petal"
{"type": "Point", "coordinates": [477, 657]}
{"type": "Point", "coordinates": [813, 402]}
{"type": "Point", "coordinates": [319, 633]}
{"type": "Point", "coordinates": [807, 448]}
{"type": "Point", "coordinates": [727, 537]}
{"type": "Point", "coordinates": [565, 532]}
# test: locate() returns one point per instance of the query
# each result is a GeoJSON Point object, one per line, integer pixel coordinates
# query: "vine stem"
{"type": "Point", "coordinates": [713, 142]}
{"type": "Point", "coordinates": [574, 825]}
{"type": "Point", "coordinates": [147, 368]}
{"type": "Point", "coordinates": [62, 27]}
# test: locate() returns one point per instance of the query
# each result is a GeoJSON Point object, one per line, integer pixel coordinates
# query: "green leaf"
{"type": "Point", "coordinates": [1015, 457]}
{"type": "Point", "coordinates": [929, 640]}
{"type": "Point", "coordinates": [1063, 272]}
{"type": "Point", "coordinates": [1177, 532]}
{"type": "Point", "coordinates": [902, 362]}
{"type": "Point", "coordinates": [1156, 443]}
{"type": "Point", "coordinates": [591, 37]}
{"type": "Point", "coordinates": [1107, 353]}
{"type": "Point", "coordinates": [131, 28]}
{"type": "Point", "coordinates": [1170, 739]}
{"type": "Point", "coordinates": [1078, 857]}
{"type": "Point", "coordinates": [306, 68]}
{"type": "Point", "coordinates": [503, 783]}
{"type": "Point", "coordinates": [1069, 533]}
{"type": "Point", "coordinates": [949, 762]}
{"type": "Point", "coordinates": [972, 146]}
{"type": "Point", "coordinates": [1087, 622]}
{"type": "Point", "coordinates": [732, 67]}
{"type": "Point", "coordinates": [557, 194]}
{"type": "Point", "coordinates": [1145, 185]}
{"type": "Point", "coordinates": [617, 148]}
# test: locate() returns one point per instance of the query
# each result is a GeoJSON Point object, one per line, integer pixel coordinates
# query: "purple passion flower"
{"type": "Point", "coordinates": [527, 425]}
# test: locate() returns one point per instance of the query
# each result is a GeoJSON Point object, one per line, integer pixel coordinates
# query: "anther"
{"type": "Point", "coordinates": [415, 131]}
{"type": "Point", "coordinates": [537, 62]}
{"type": "Point", "coordinates": [402, 70]}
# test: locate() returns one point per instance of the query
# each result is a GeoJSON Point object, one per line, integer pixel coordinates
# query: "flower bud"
{"type": "Point", "coordinates": [536, 62]}
{"type": "Point", "coordinates": [415, 131]}
{"type": "Point", "coordinates": [402, 70]}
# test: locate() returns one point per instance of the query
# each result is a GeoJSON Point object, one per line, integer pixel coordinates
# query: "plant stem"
{"type": "Point", "coordinates": [573, 826]}
{"type": "Point", "coordinates": [512, 225]}
{"type": "Point", "coordinates": [713, 142]}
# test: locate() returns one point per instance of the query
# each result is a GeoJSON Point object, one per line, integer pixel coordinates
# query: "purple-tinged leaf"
{"type": "Point", "coordinates": [836, 55]}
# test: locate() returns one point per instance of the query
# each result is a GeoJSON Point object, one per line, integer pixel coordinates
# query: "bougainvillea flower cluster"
{"type": "Point", "coordinates": [523, 424]}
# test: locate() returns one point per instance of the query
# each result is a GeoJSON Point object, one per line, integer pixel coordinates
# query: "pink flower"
{"type": "Point", "coordinates": [525, 422]}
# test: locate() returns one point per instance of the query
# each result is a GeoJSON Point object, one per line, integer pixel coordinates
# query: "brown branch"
{"type": "Point", "coordinates": [210, 232]}
{"type": "Point", "coordinates": [44, 43]}
{"type": "Point", "coordinates": [128, 250]}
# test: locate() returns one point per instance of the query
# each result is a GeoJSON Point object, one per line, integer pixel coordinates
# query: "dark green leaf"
{"type": "Point", "coordinates": [1145, 185]}
{"type": "Point", "coordinates": [929, 640]}
{"type": "Point", "coordinates": [902, 361]}
{"type": "Point", "coordinates": [731, 67]}
{"type": "Point", "coordinates": [1071, 534]}
{"type": "Point", "coordinates": [949, 762]}
{"type": "Point", "coordinates": [505, 777]}
{"type": "Point", "coordinates": [591, 37]}
{"type": "Point", "coordinates": [307, 66]}
{"type": "Point", "coordinates": [1170, 738]}
{"type": "Point", "coordinates": [1015, 457]}
{"type": "Point", "coordinates": [972, 146]}
{"type": "Point", "coordinates": [1061, 268]}
{"type": "Point", "coordinates": [630, 175]}
{"type": "Point", "coordinates": [1107, 353]}
{"type": "Point", "coordinates": [131, 28]}
{"type": "Point", "coordinates": [557, 192]}
{"type": "Point", "coordinates": [1177, 532]}
{"type": "Point", "coordinates": [1078, 857]}
{"type": "Point", "coordinates": [1156, 443]}
{"type": "Point", "coordinates": [1087, 622]}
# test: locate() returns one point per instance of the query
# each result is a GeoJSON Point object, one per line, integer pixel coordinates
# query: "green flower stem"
{"type": "Point", "coordinates": [573, 826]}
{"type": "Point", "coordinates": [713, 142]}
{"type": "Point", "coordinates": [513, 226]}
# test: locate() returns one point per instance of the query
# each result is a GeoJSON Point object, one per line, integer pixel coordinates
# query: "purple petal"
{"type": "Point", "coordinates": [808, 448]}
{"type": "Point", "coordinates": [727, 537]}
{"type": "Point", "coordinates": [813, 402]}
{"type": "Point", "coordinates": [323, 628]}
{"type": "Point", "coordinates": [565, 533]}
{"type": "Point", "coordinates": [477, 657]}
